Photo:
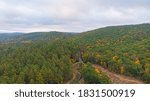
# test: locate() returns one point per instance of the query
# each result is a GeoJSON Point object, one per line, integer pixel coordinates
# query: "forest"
{"type": "Point", "coordinates": [58, 57]}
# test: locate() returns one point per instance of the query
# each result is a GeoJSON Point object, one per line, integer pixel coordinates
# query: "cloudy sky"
{"type": "Point", "coordinates": [70, 15]}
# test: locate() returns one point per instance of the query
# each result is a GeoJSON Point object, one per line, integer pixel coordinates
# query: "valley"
{"type": "Point", "coordinates": [113, 54]}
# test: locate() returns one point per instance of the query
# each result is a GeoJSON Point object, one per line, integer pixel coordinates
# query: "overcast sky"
{"type": "Point", "coordinates": [70, 15]}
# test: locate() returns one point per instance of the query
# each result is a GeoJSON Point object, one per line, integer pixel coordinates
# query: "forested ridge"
{"type": "Point", "coordinates": [48, 57]}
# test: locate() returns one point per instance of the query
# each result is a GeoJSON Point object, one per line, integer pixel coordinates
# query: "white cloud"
{"type": "Point", "coordinates": [70, 15]}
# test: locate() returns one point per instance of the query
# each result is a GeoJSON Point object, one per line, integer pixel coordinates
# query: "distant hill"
{"type": "Point", "coordinates": [35, 36]}
{"type": "Point", "coordinates": [111, 33]}
{"type": "Point", "coordinates": [5, 37]}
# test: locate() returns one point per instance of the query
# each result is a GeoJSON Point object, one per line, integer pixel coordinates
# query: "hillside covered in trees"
{"type": "Point", "coordinates": [56, 57]}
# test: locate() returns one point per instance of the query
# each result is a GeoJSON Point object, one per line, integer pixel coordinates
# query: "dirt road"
{"type": "Point", "coordinates": [76, 78]}
{"type": "Point", "coordinates": [117, 78]}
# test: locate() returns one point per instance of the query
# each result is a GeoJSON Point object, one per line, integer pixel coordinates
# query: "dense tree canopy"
{"type": "Point", "coordinates": [48, 58]}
